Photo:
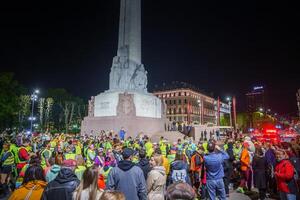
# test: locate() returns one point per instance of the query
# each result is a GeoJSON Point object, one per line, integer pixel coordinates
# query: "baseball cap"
{"type": "Point", "coordinates": [127, 152]}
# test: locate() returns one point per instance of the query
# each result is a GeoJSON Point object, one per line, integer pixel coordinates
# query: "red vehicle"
{"type": "Point", "coordinates": [271, 135]}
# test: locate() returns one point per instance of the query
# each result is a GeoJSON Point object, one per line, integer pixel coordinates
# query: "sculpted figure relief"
{"type": "Point", "coordinates": [127, 75]}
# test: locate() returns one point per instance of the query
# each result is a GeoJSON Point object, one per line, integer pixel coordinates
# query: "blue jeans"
{"type": "Point", "coordinates": [216, 188]}
{"type": "Point", "coordinates": [286, 196]}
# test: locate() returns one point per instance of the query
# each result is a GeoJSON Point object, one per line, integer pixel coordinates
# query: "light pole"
{"type": "Point", "coordinates": [229, 104]}
{"type": "Point", "coordinates": [34, 97]}
{"type": "Point", "coordinates": [200, 111]}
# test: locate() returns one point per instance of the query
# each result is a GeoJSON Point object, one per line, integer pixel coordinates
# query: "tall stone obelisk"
{"type": "Point", "coordinates": [130, 29]}
{"type": "Point", "coordinates": [127, 103]}
{"type": "Point", "coordinates": [128, 72]}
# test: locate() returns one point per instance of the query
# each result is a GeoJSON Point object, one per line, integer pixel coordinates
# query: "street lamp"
{"type": "Point", "coordinates": [229, 104]}
{"type": "Point", "coordinates": [261, 109]}
{"type": "Point", "coordinates": [34, 97]}
{"type": "Point", "coordinates": [200, 111]}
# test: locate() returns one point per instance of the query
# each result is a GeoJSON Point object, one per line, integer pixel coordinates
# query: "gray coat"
{"type": "Point", "coordinates": [128, 179]}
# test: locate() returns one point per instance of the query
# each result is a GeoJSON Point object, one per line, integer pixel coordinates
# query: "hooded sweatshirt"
{"type": "Point", "coordinates": [179, 171]}
{"type": "Point", "coordinates": [128, 179]}
{"type": "Point", "coordinates": [52, 173]}
{"type": "Point", "coordinates": [145, 166]}
{"type": "Point", "coordinates": [62, 187]}
{"type": "Point", "coordinates": [35, 187]}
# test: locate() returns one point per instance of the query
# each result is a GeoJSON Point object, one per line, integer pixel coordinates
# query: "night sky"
{"type": "Point", "coordinates": [223, 47]}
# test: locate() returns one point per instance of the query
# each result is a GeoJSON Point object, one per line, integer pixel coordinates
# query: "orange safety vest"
{"type": "Point", "coordinates": [195, 167]}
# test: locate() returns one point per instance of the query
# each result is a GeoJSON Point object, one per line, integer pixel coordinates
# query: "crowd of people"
{"type": "Point", "coordinates": [115, 167]}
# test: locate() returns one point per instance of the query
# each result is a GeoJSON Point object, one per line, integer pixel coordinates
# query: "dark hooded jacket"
{"type": "Point", "coordinates": [129, 179]}
{"type": "Point", "coordinates": [62, 187]}
{"type": "Point", "coordinates": [145, 166]}
{"type": "Point", "coordinates": [179, 172]}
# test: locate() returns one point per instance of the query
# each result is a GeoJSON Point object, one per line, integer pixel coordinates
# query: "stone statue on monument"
{"type": "Point", "coordinates": [126, 74]}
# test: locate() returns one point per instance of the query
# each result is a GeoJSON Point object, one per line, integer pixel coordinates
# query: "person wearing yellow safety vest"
{"type": "Point", "coordinates": [7, 161]}
{"type": "Point", "coordinates": [149, 148]}
{"type": "Point", "coordinates": [53, 144]}
{"type": "Point", "coordinates": [80, 168]}
{"type": "Point", "coordinates": [106, 169]}
{"type": "Point", "coordinates": [70, 155]}
{"type": "Point", "coordinates": [77, 148]}
{"type": "Point", "coordinates": [179, 145]}
{"type": "Point", "coordinates": [163, 147]}
{"type": "Point", "coordinates": [91, 155]}
{"type": "Point", "coordinates": [45, 155]}
{"type": "Point", "coordinates": [172, 155]}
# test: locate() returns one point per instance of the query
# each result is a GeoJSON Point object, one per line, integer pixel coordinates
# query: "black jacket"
{"type": "Point", "coordinates": [62, 187]}
{"type": "Point", "coordinates": [145, 166]}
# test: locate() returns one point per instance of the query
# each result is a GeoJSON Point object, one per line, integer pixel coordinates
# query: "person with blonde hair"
{"type": "Point", "coordinates": [112, 195]}
{"type": "Point", "coordinates": [88, 188]}
{"type": "Point", "coordinates": [157, 178]}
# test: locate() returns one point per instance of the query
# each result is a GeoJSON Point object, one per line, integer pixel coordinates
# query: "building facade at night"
{"type": "Point", "coordinates": [256, 99]}
{"type": "Point", "coordinates": [188, 106]}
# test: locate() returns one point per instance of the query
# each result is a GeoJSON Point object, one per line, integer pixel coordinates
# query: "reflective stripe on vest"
{"type": "Point", "coordinates": [71, 156]}
{"type": "Point", "coordinates": [10, 160]}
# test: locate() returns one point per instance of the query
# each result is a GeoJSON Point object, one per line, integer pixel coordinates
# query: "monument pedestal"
{"type": "Point", "coordinates": [136, 112]}
{"type": "Point", "coordinates": [127, 104]}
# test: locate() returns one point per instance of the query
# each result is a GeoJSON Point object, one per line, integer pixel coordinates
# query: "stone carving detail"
{"type": "Point", "coordinates": [91, 107]}
{"type": "Point", "coordinates": [126, 105]}
{"type": "Point", "coordinates": [127, 75]}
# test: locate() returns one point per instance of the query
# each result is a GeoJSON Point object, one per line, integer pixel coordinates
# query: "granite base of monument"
{"type": "Point", "coordinates": [135, 112]}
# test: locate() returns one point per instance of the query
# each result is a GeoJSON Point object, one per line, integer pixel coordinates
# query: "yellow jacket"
{"type": "Point", "coordinates": [35, 187]}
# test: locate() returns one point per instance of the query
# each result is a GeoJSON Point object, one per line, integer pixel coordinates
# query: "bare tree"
{"type": "Point", "coordinates": [68, 111]}
{"type": "Point", "coordinates": [41, 107]}
{"type": "Point", "coordinates": [49, 105]}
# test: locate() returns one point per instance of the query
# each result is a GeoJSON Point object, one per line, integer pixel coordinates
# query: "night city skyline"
{"type": "Point", "coordinates": [224, 48]}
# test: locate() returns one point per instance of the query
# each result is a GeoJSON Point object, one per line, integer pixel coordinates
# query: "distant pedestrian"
{"type": "Point", "coordinates": [122, 134]}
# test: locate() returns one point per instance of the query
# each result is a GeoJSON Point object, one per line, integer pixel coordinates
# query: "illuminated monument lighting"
{"type": "Point", "coordinates": [127, 103]}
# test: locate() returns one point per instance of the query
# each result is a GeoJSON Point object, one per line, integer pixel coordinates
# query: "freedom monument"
{"type": "Point", "coordinates": [127, 103]}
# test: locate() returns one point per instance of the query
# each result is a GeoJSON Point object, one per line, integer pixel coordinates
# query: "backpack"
{"type": "Point", "coordinates": [179, 175]}
{"type": "Point", "coordinates": [296, 163]}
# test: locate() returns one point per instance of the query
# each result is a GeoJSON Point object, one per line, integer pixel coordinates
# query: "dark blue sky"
{"type": "Point", "coordinates": [223, 47]}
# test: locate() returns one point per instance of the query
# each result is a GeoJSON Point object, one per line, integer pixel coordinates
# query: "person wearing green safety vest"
{"type": "Point", "coordinates": [163, 148]}
{"type": "Point", "coordinates": [237, 149]}
{"type": "Point", "coordinates": [172, 155]}
{"type": "Point", "coordinates": [105, 172]}
{"type": "Point", "coordinates": [205, 145]}
{"type": "Point", "coordinates": [80, 167]}
{"type": "Point", "coordinates": [149, 148]}
{"type": "Point", "coordinates": [14, 149]}
{"type": "Point", "coordinates": [107, 145]}
{"type": "Point", "coordinates": [161, 141]}
{"type": "Point", "coordinates": [70, 155]}
{"type": "Point", "coordinates": [91, 155]}
{"type": "Point", "coordinates": [46, 155]}
{"type": "Point", "coordinates": [77, 149]}
{"type": "Point", "coordinates": [7, 161]}
{"type": "Point", "coordinates": [52, 145]}
{"type": "Point", "coordinates": [179, 145]}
